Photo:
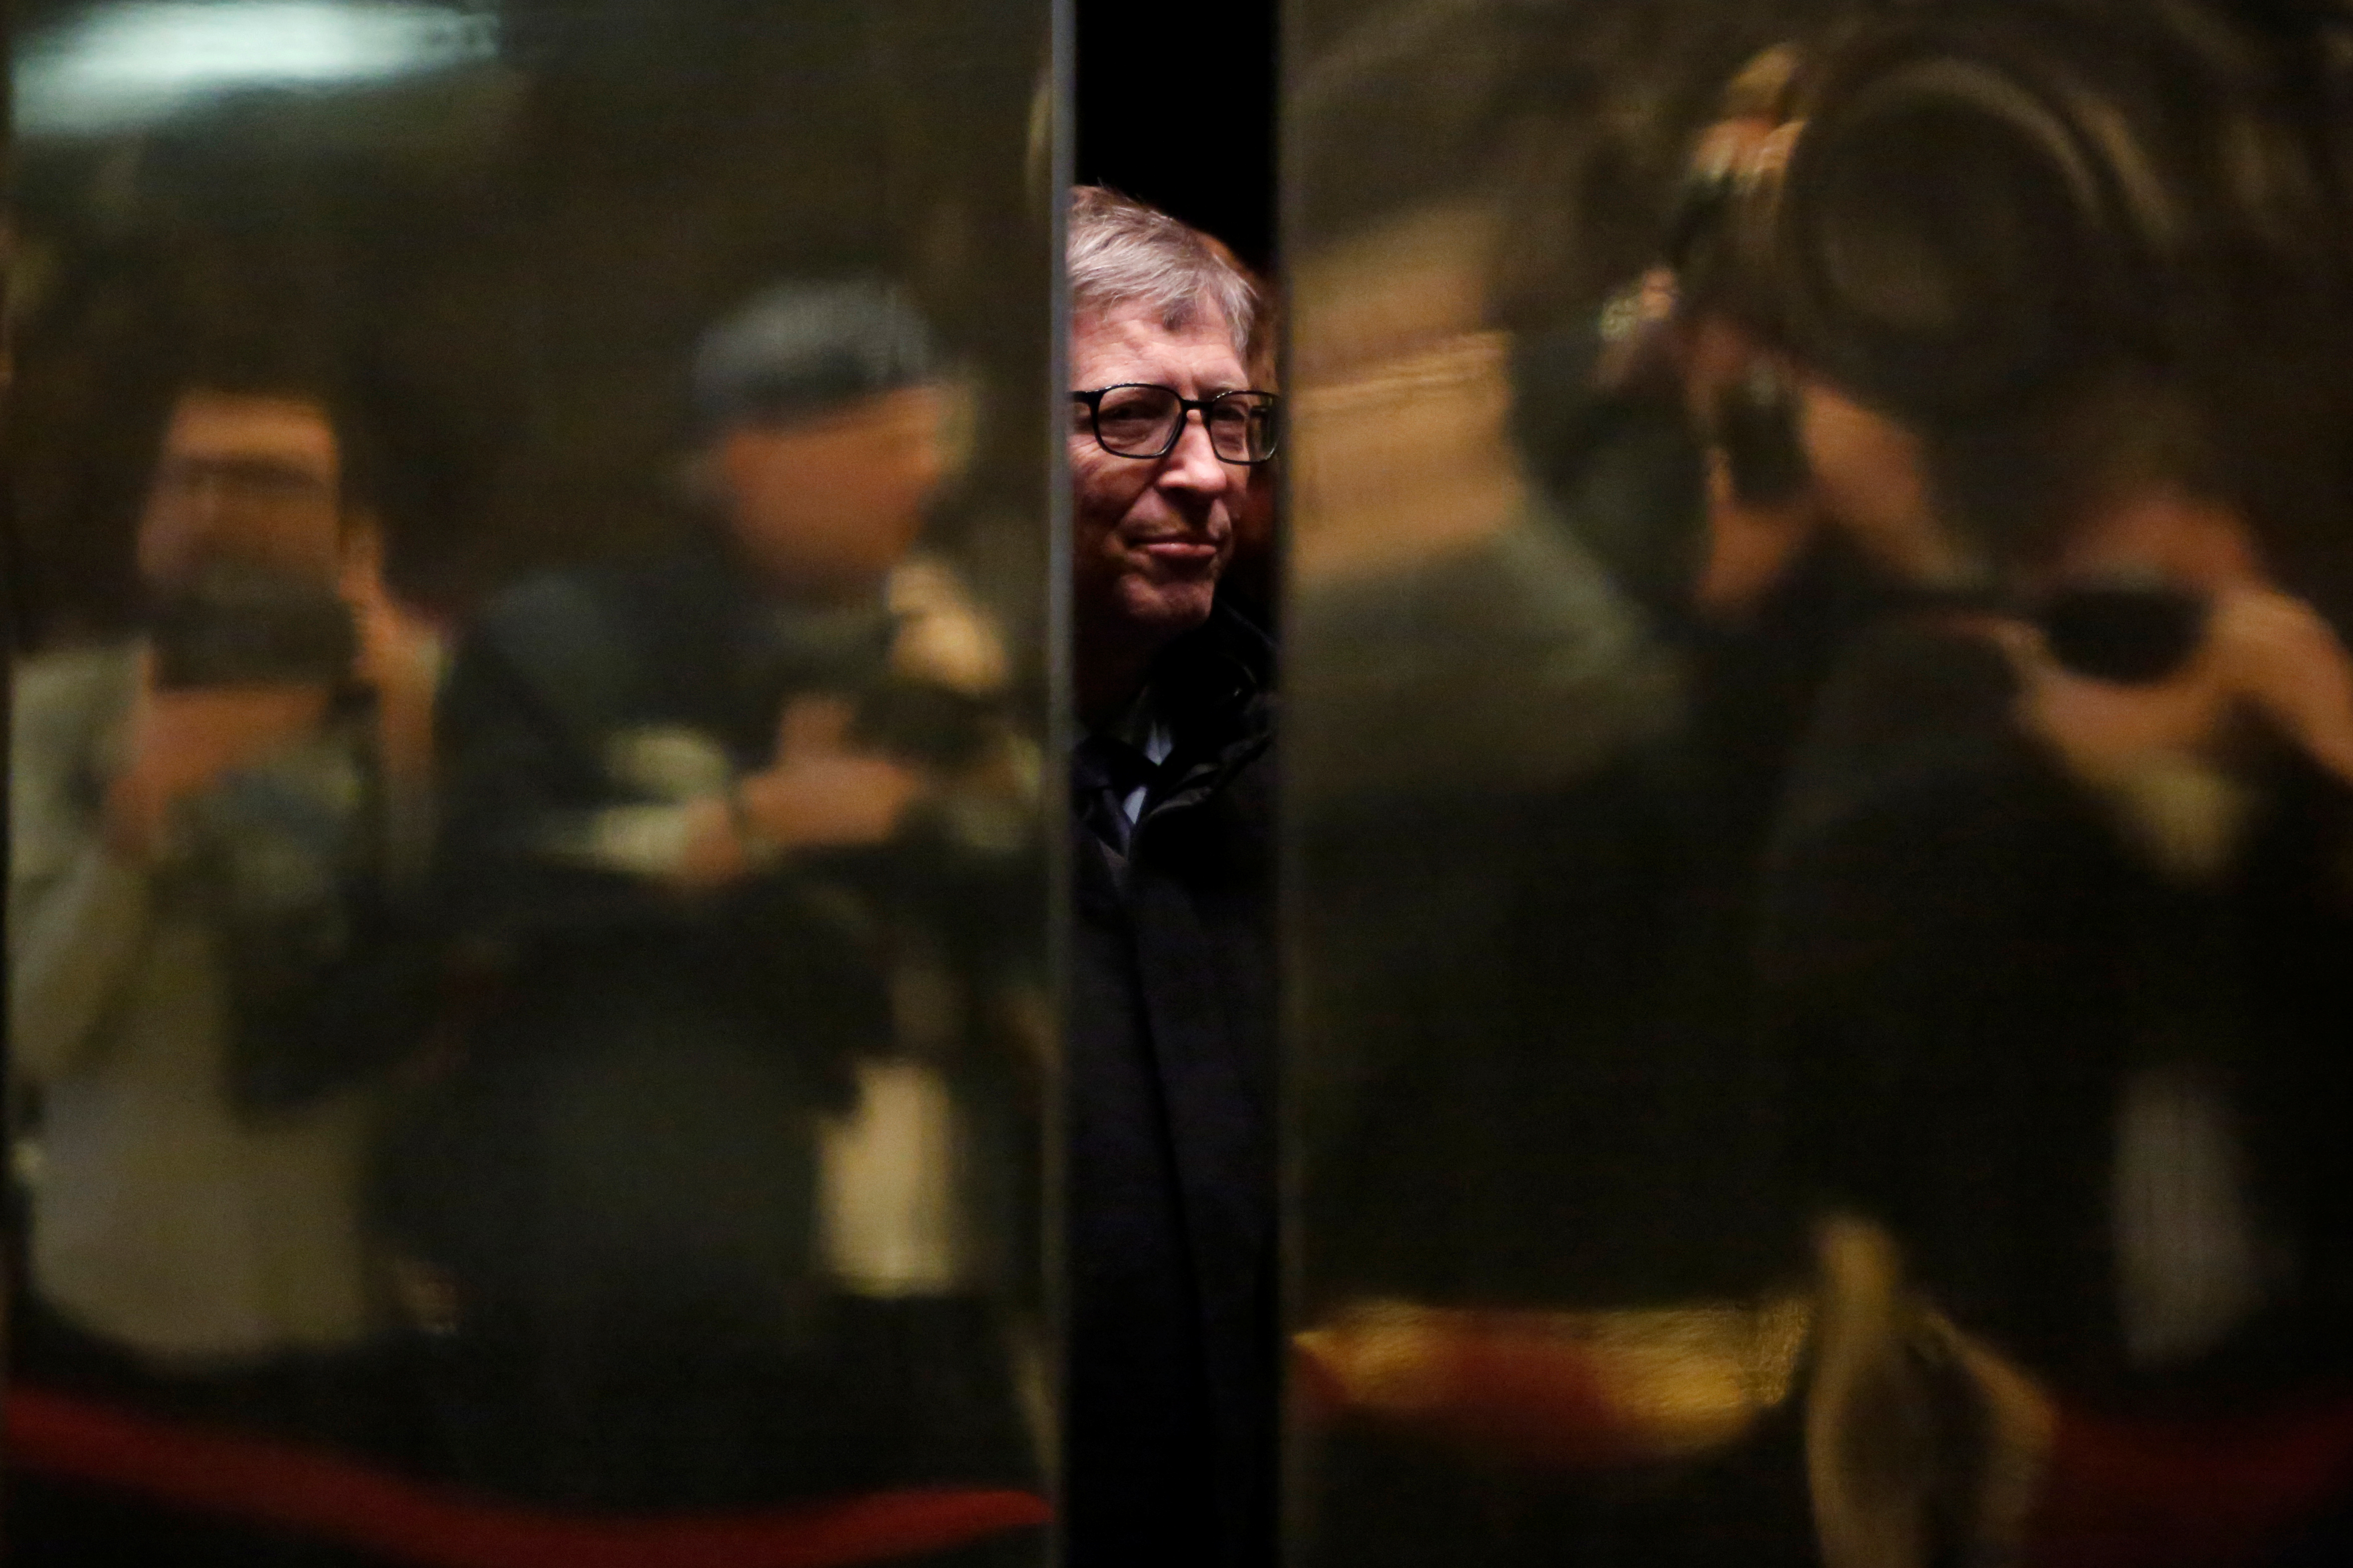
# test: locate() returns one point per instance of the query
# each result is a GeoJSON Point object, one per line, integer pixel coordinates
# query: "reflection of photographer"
{"type": "Point", "coordinates": [2043, 313]}
{"type": "Point", "coordinates": [736, 831]}
{"type": "Point", "coordinates": [212, 824]}
{"type": "Point", "coordinates": [2052, 940]}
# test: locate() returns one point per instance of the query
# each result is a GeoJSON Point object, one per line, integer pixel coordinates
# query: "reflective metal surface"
{"type": "Point", "coordinates": [529, 1013]}
{"type": "Point", "coordinates": [1807, 1039]}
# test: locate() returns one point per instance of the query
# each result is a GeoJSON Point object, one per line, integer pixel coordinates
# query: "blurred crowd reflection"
{"type": "Point", "coordinates": [1818, 792]}
{"type": "Point", "coordinates": [527, 911]}
{"type": "Point", "coordinates": [1821, 737]}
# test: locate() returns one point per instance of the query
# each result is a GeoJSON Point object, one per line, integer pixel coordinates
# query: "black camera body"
{"type": "Point", "coordinates": [239, 624]}
{"type": "Point", "coordinates": [2127, 631]}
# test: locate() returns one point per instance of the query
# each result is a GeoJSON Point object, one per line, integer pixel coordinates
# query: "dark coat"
{"type": "Point", "coordinates": [1170, 1180]}
{"type": "Point", "coordinates": [1967, 961]}
{"type": "Point", "coordinates": [620, 1174]}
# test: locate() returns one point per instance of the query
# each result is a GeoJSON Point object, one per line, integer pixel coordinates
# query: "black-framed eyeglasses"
{"type": "Point", "coordinates": [1137, 419]}
{"type": "Point", "coordinates": [247, 483]}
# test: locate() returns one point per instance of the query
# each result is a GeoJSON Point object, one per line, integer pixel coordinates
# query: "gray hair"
{"type": "Point", "coordinates": [1124, 254]}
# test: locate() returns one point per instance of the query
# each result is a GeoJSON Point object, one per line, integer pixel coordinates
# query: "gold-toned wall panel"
{"type": "Point", "coordinates": [1807, 1036]}
{"type": "Point", "coordinates": [527, 931]}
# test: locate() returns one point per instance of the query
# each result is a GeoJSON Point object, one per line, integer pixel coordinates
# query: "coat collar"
{"type": "Point", "coordinates": [1214, 688]}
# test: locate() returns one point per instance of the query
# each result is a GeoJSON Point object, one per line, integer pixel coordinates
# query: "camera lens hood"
{"type": "Point", "coordinates": [1968, 215]}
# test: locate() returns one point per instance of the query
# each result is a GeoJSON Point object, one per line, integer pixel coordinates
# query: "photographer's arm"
{"type": "Point", "coordinates": [514, 761]}
{"type": "Point", "coordinates": [821, 791]}
{"type": "Point", "coordinates": [82, 888]}
{"type": "Point", "coordinates": [78, 910]}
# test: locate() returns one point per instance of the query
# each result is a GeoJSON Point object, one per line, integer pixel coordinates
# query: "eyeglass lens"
{"type": "Point", "coordinates": [1142, 422]}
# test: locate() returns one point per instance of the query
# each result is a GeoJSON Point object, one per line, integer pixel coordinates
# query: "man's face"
{"type": "Point", "coordinates": [1870, 474]}
{"type": "Point", "coordinates": [1151, 536]}
{"type": "Point", "coordinates": [252, 479]}
{"type": "Point", "coordinates": [831, 503]}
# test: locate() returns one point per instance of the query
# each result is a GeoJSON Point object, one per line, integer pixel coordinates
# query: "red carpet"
{"type": "Point", "coordinates": [296, 1490]}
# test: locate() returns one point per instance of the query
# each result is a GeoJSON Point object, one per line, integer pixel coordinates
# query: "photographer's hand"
{"type": "Point", "coordinates": [396, 660]}
{"type": "Point", "coordinates": [181, 741]}
{"type": "Point", "coordinates": [821, 791]}
{"type": "Point", "coordinates": [2282, 660]}
{"type": "Point", "coordinates": [2265, 655]}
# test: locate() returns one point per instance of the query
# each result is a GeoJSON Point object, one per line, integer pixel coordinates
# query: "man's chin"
{"type": "Point", "coordinates": [1169, 609]}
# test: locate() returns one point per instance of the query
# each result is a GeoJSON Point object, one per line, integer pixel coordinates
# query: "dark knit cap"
{"type": "Point", "coordinates": [803, 349]}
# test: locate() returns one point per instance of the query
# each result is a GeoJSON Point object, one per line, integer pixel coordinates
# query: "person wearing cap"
{"type": "Point", "coordinates": [684, 1214]}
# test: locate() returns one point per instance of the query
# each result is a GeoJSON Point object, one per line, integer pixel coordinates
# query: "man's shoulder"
{"type": "Point", "coordinates": [569, 602]}
{"type": "Point", "coordinates": [84, 669]}
{"type": "Point", "coordinates": [1511, 662]}
{"type": "Point", "coordinates": [72, 686]}
{"type": "Point", "coordinates": [1218, 817]}
{"type": "Point", "coordinates": [1915, 730]}
{"type": "Point", "coordinates": [561, 650]}
{"type": "Point", "coordinates": [585, 628]}
{"type": "Point", "coordinates": [66, 705]}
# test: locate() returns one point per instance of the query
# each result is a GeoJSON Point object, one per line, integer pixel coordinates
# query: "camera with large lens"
{"type": "Point", "coordinates": [2126, 631]}
{"type": "Point", "coordinates": [1994, 212]}
{"type": "Point", "coordinates": [238, 624]}
{"type": "Point", "coordinates": [2083, 248]}
{"type": "Point", "coordinates": [1755, 423]}
{"type": "Point", "coordinates": [1971, 214]}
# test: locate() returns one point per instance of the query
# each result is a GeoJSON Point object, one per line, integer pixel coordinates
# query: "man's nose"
{"type": "Point", "coordinates": [203, 503]}
{"type": "Point", "coordinates": [1194, 464]}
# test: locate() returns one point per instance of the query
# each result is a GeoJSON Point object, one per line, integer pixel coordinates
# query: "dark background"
{"type": "Point", "coordinates": [513, 262]}
{"type": "Point", "coordinates": [1175, 108]}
